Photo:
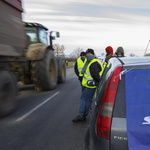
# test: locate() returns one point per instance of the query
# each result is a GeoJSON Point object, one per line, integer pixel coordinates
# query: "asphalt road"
{"type": "Point", "coordinates": [43, 120]}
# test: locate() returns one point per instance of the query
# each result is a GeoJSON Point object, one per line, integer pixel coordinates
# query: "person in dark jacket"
{"type": "Point", "coordinates": [109, 53]}
{"type": "Point", "coordinates": [119, 52]}
{"type": "Point", "coordinates": [92, 72]}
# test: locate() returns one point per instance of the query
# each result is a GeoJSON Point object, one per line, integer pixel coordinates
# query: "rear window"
{"type": "Point", "coordinates": [120, 102]}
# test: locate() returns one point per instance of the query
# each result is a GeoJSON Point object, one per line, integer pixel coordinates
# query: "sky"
{"type": "Point", "coordinates": [94, 24]}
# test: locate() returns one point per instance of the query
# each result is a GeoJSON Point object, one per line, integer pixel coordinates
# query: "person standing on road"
{"type": "Point", "coordinates": [79, 65]}
{"type": "Point", "coordinates": [92, 71]}
{"type": "Point", "coordinates": [66, 62]}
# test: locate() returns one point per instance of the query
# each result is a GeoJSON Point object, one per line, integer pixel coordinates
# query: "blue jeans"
{"type": "Point", "coordinates": [85, 100]}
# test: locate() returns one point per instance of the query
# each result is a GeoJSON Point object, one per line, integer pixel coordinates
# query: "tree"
{"type": "Point", "coordinates": [132, 55]}
{"type": "Point", "coordinates": [76, 52]}
{"type": "Point", "coordinates": [59, 50]}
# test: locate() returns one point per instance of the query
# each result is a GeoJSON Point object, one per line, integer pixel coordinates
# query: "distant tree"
{"type": "Point", "coordinates": [76, 52]}
{"type": "Point", "coordinates": [73, 55]}
{"type": "Point", "coordinates": [59, 50]}
{"type": "Point", "coordinates": [132, 55]}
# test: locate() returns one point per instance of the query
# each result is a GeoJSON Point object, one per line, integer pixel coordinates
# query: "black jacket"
{"type": "Point", "coordinates": [95, 68]}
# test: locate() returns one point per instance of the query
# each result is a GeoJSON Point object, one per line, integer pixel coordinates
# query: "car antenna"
{"type": "Point", "coordinates": [147, 47]}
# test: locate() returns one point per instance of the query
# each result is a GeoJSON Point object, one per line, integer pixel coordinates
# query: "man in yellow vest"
{"type": "Point", "coordinates": [92, 72]}
{"type": "Point", "coordinates": [79, 65]}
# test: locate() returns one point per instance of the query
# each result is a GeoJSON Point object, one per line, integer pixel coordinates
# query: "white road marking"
{"type": "Point", "coordinates": [34, 109]}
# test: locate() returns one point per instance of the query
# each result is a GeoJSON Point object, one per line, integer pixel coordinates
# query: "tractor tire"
{"type": "Point", "coordinates": [44, 72]}
{"type": "Point", "coordinates": [61, 70]}
{"type": "Point", "coordinates": [8, 91]}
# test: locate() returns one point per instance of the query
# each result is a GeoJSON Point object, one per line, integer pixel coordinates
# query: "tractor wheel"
{"type": "Point", "coordinates": [44, 72]}
{"type": "Point", "coordinates": [61, 70]}
{"type": "Point", "coordinates": [8, 91]}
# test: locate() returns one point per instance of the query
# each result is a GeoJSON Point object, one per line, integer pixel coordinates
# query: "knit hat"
{"type": "Point", "coordinates": [90, 51]}
{"type": "Point", "coordinates": [82, 54]}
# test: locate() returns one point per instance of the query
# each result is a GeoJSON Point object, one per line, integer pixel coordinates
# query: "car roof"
{"type": "Point", "coordinates": [132, 60]}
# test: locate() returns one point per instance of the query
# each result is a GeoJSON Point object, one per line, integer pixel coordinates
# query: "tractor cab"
{"type": "Point", "coordinates": [36, 33]}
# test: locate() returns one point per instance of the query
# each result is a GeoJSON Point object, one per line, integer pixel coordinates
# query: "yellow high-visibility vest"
{"type": "Point", "coordinates": [80, 65]}
{"type": "Point", "coordinates": [87, 76]}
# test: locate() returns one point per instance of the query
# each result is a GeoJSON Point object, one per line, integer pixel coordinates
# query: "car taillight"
{"type": "Point", "coordinates": [106, 109]}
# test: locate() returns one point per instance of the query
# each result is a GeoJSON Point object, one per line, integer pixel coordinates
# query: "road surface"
{"type": "Point", "coordinates": [43, 120]}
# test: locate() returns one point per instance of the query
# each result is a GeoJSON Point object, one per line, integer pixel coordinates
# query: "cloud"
{"type": "Point", "coordinates": [96, 24]}
{"type": "Point", "coordinates": [119, 3]}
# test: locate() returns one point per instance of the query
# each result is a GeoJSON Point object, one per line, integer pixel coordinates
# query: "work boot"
{"type": "Point", "coordinates": [79, 118]}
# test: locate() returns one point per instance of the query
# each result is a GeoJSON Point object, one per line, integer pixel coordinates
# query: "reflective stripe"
{"type": "Point", "coordinates": [87, 78]}
{"type": "Point", "coordinates": [88, 73]}
{"type": "Point", "coordinates": [80, 68]}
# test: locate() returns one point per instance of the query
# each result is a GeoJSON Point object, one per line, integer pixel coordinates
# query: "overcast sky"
{"type": "Point", "coordinates": [94, 23]}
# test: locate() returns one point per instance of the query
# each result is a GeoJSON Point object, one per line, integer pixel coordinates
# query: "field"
{"type": "Point", "coordinates": [70, 63]}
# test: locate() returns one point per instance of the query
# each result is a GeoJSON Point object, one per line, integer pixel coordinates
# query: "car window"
{"type": "Point", "coordinates": [120, 103]}
{"type": "Point", "coordinates": [31, 35]}
{"type": "Point", "coordinates": [42, 36]}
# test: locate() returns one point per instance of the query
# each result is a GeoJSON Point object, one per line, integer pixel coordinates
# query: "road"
{"type": "Point", "coordinates": [43, 119]}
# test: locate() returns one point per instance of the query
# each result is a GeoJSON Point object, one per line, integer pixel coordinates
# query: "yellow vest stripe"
{"type": "Point", "coordinates": [87, 78]}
